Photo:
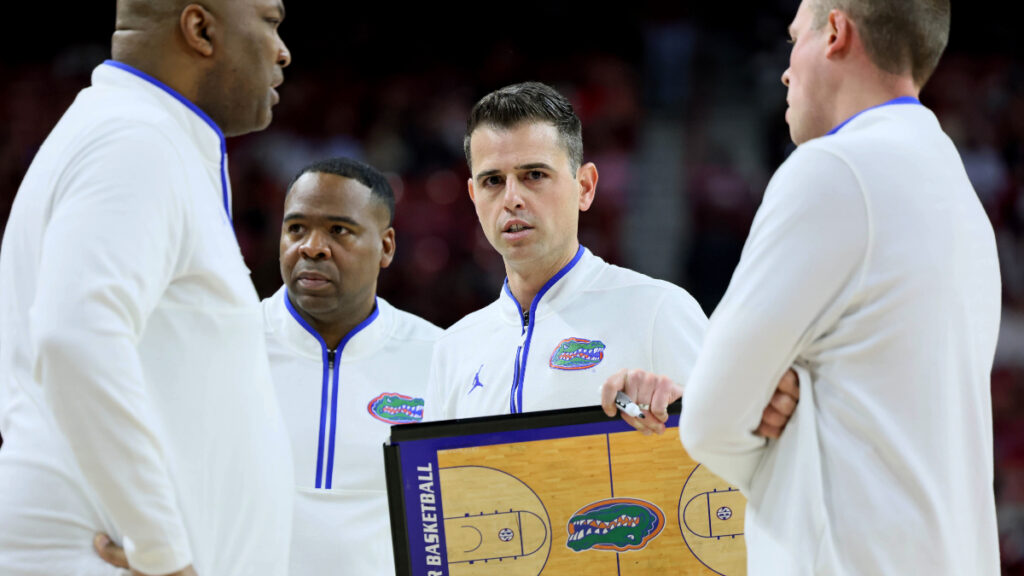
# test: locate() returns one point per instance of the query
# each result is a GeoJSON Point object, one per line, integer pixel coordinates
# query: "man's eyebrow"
{"type": "Point", "coordinates": [486, 173]}
{"type": "Point", "coordinates": [534, 166]}
{"type": "Point", "coordinates": [301, 216]}
{"type": "Point", "coordinates": [530, 166]}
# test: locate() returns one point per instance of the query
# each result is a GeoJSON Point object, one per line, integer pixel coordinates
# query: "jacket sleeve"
{"type": "Point", "coordinates": [804, 253]}
{"type": "Point", "coordinates": [114, 236]}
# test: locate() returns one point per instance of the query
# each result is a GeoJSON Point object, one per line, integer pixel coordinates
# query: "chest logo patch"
{"type": "Point", "coordinates": [577, 354]}
{"type": "Point", "coordinates": [393, 408]}
{"type": "Point", "coordinates": [619, 524]}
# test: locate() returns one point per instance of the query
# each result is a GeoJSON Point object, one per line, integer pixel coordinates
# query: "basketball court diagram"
{"type": "Point", "coordinates": [594, 504]}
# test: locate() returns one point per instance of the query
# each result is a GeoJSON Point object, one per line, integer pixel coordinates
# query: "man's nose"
{"type": "Point", "coordinates": [513, 196]}
{"type": "Point", "coordinates": [315, 246]}
{"type": "Point", "coordinates": [284, 56]}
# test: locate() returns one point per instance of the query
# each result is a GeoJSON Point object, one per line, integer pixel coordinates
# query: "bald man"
{"type": "Point", "coordinates": [135, 396]}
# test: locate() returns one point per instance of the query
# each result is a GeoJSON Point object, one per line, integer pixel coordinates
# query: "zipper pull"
{"type": "Point", "coordinates": [330, 359]}
{"type": "Point", "coordinates": [526, 318]}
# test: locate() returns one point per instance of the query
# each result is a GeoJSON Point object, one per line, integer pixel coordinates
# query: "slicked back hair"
{"type": "Point", "coordinates": [900, 36]}
{"type": "Point", "coordinates": [528, 102]}
{"type": "Point", "coordinates": [365, 174]}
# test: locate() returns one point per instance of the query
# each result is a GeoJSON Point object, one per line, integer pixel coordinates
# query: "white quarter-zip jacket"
{"type": "Point", "coordinates": [872, 266]}
{"type": "Point", "coordinates": [588, 321]}
{"type": "Point", "coordinates": [135, 395]}
{"type": "Point", "coordinates": [339, 406]}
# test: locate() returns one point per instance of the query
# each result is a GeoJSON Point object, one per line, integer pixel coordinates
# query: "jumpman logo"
{"type": "Point", "coordinates": [476, 381]}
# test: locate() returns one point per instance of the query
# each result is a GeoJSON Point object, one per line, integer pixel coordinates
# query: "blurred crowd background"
{"type": "Point", "coordinates": [682, 109]}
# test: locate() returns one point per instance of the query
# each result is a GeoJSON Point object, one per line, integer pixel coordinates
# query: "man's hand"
{"type": "Point", "coordinates": [653, 393]}
{"type": "Point", "coordinates": [113, 554]}
{"type": "Point", "coordinates": [778, 412]}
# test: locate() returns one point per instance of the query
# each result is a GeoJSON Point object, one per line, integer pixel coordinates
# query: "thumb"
{"type": "Point", "coordinates": [108, 551]}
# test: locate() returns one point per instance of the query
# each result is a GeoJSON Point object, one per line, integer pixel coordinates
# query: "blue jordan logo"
{"type": "Point", "coordinates": [476, 381]}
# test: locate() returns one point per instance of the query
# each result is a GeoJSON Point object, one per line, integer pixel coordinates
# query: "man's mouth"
{"type": "Point", "coordinates": [515, 226]}
{"type": "Point", "coordinates": [312, 280]}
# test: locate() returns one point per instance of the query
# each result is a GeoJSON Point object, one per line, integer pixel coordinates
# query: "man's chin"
{"type": "Point", "coordinates": [313, 303]}
{"type": "Point", "coordinates": [261, 122]}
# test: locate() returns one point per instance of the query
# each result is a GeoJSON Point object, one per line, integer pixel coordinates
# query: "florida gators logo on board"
{"type": "Point", "coordinates": [618, 524]}
{"type": "Point", "coordinates": [395, 408]}
{"type": "Point", "coordinates": [577, 354]}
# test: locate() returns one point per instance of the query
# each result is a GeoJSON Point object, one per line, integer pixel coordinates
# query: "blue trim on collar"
{"type": "Point", "coordinates": [324, 387]}
{"type": "Point", "coordinates": [328, 473]}
{"type": "Point", "coordinates": [547, 285]}
{"type": "Point", "coordinates": [191, 106]}
{"type": "Point", "coordinates": [900, 100]}
{"type": "Point", "coordinates": [334, 403]}
{"type": "Point", "coordinates": [302, 321]}
{"type": "Point", "coordinates": [519, 307]}
{"type": "Point", "coordinates": [517, 387]}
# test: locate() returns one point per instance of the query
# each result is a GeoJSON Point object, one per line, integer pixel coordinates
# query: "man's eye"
{"type": "Point", "coordinates": [535, 175]}
{"type": "Point", "coordinates": [294, 228]}
{"type": "Point", "coordinates": [338, 229]}
{"type": "Point", "coordinates": [492, 181]}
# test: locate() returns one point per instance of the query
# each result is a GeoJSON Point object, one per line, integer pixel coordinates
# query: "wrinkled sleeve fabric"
{"type": "Point", "coordinates": [805, 251]}
{"type": "Point", "coordinates": [114, 236]}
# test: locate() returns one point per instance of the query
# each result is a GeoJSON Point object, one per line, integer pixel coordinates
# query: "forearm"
{"type": "Point", "coordinates": [94, 384]}
{"type": "Point", "coordinates": [800, 265]}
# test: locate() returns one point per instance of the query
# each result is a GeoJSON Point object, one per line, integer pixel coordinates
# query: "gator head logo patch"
{"type": "Point", "coordinates": [619, 524]}
{"type": "Point", "coordinates": [577, 354]}
{"type": "Point", "coordinates": [396, 408]}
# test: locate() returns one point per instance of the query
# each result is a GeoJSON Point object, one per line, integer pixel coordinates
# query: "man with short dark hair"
{"type": "Point", "coordinates": [564, 319]}
{"type": "Point", "coordinates": [347, 365]}
{"type": "Point", "coordinates": [872, 265]}
{"type": "Point", "coordinates": [135, 396]}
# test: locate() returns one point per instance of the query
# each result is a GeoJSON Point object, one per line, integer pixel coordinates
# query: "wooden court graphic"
{"type": "Point", "coordinates": [606, 504]}
{"type": "Point", "coordinates": [496, 521]}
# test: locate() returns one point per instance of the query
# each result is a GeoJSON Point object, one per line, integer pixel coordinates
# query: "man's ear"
{"type": "Point", "coordinates": [472, 193]}
{"type": "Point", "coordinates": [840, 32]}
{"type": "Point", "coordinates": [198, 27]}
{"type": "Point", "coordinates": [388, 244]}
{"type": "Point", "coordinates": [586, 176]}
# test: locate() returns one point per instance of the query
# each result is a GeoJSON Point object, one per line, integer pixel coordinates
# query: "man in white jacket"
{"type": "Point", "coordinates": [346, 365]}
{"type": "Point", "coordinates": [564, 319]}
{"type": "Point", "coordinates": [135, 395]}
{"type": "Point", "coordinates": [872, 265]}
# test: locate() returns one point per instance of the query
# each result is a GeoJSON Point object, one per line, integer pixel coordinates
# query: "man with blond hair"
{"type": "Point", "coordinates": [872, 266]}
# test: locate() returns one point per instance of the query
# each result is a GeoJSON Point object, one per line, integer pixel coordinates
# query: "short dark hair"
{"type": "Point", "coordinates": [528, 102]}
{"type": "Point", "coordinates": [363, 173]}
{"type": "Point", "coordinates": [900, 36]}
